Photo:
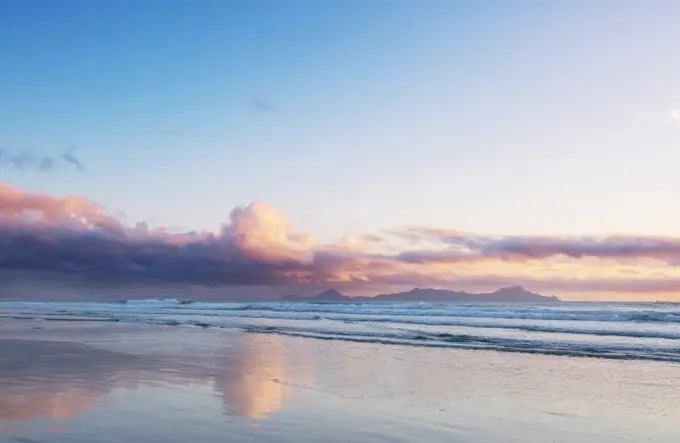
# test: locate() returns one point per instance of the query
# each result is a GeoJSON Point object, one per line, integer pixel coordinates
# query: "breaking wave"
{"type": "Point", "coordinates": [608, 330]}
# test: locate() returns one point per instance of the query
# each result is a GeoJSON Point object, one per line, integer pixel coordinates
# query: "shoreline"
{"type": "Point", "coordinates": [92, 376]}
{"type": "Point", "coordinates": [622, 332]}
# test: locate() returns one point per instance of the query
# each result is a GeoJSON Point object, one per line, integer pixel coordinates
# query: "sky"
{"type": "Point", "coordinates": [303, 144]}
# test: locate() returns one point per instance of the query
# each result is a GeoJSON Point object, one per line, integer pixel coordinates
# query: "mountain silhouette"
{"type": "Point", "coordinates": [508, 294]}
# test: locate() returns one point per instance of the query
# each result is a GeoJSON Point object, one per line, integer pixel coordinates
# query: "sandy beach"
{"type": "Point", "coordinates": [103, 382]}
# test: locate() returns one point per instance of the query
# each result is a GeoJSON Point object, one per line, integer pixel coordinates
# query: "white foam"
{"type": "Point", "coordinates": [587, 328]}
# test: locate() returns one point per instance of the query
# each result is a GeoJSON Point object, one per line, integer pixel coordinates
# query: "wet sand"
{"type": "Point", "coordinates": [101, 382]}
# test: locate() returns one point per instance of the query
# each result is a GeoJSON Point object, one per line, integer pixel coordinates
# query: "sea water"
{"type": "Point", "coordinates": [643, 331]}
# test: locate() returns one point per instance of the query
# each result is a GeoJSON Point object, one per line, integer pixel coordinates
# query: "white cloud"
{"type": "Point", "coordinates": [671, 117]}
{"type": "Point", "coordinates": [675, 115]}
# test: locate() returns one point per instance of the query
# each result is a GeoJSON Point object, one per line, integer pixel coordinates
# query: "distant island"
{"type": "Point", "coordinates": [509, 294]}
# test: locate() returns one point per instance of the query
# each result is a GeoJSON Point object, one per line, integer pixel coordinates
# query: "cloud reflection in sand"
{"type": "Point", "coordinates": [62, 380]}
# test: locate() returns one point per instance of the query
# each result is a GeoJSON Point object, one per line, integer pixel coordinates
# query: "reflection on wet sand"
{"type": "Point", "coordinates": [203, 382]}
{"type": "Point", "coordinates": [61, 380]}
{"type": "Point", "coordinates": [54, 380]}
{"type": "Point", "coordinates": [249, 386]}
{"type": "Point", "coordinates": [255, 397]}
{"type": "Point", "coordinates": [15, 406]}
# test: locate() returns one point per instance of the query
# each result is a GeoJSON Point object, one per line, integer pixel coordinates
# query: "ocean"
{"type": "Point", "coordinates": [635, 331]}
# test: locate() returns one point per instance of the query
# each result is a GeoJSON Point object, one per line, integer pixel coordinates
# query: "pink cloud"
{"type": "Point", "coordinates": [73, 239]}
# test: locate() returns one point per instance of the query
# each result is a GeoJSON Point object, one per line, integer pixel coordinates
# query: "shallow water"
{"type": "Point", "coordinates": [644, 331]}
{"type": "Point", "coordinates": [104, 382]}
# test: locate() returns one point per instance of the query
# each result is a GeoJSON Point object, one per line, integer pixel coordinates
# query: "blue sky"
{"type": "Point", "coordinates": [487, 116]}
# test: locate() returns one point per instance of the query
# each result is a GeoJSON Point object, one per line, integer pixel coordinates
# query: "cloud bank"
{"type": "Point", "coordinates": [470, 247]}
{"type": "Point", "coordinates": [72, 239]}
